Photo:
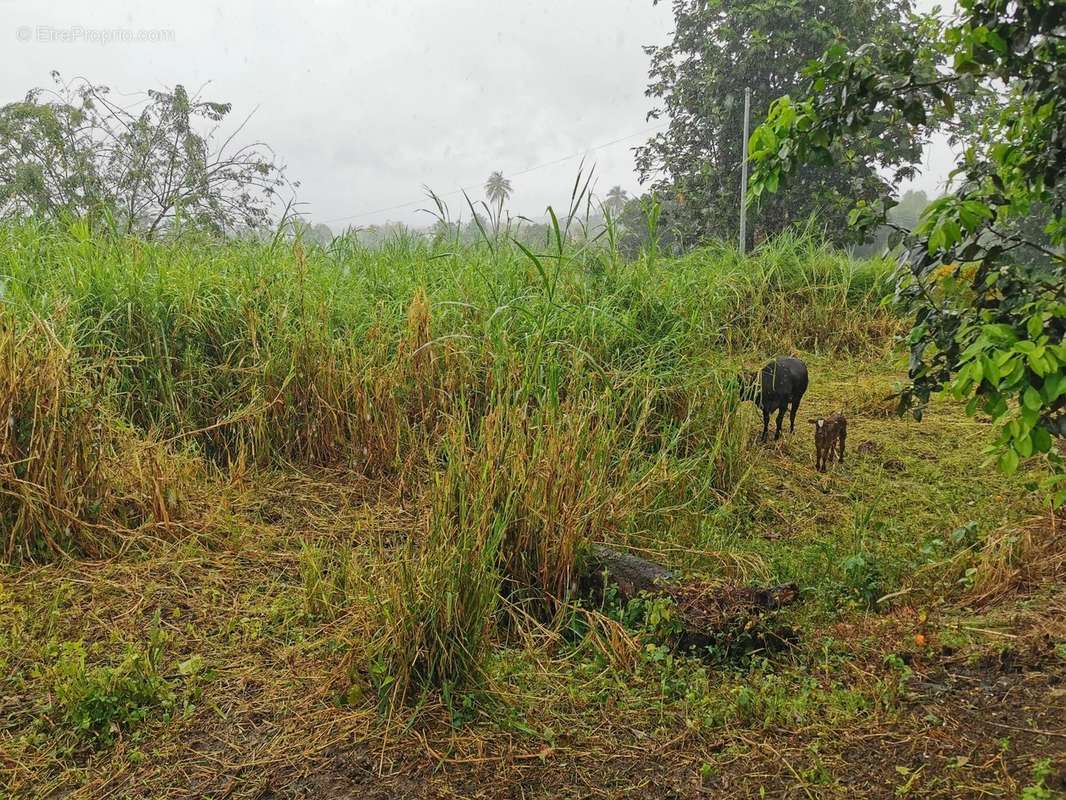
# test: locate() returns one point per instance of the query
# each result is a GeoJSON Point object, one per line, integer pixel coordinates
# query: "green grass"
{"type": "Point", "coordinates": [247, 344]}
{"type": "Point", "coordinates": [102, 702]}
{"type": "Point", "coordinates": [887, 520]}
{"type": "Point", "coordinates": [545, 401]}
{"type": "Point", "coordinates": [357, 486]}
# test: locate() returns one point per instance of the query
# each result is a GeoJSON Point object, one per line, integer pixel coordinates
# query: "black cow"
{"type": "Point", "coordinates": [782, 384]}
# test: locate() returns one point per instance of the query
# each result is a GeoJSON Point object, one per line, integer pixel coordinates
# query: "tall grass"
{"type": "Point", "coordinates": [534, 402]}
{"type": "Point", "coordinates": [73, 473]}
{"type": "Point", "coordinates": [441, 605]}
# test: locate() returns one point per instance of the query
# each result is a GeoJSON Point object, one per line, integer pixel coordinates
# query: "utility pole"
{"type": "Point", "coordinates": [744, 174]}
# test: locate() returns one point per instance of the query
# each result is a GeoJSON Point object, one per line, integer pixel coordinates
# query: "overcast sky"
{"type": "Point", "coordinates": [366, 101]}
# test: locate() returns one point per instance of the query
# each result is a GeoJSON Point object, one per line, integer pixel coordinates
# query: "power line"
{"type": "Point", "coordinates": [474, 185]}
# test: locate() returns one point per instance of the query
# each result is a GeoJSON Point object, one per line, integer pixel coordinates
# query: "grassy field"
{"type": "Point", "coordinates": [287, 522]}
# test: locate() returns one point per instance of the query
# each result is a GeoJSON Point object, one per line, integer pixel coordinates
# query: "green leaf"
{"type": "Point", "coordinates": [1031, 398]}
{"type": "Point", "coordinates": [1008, 462]}
{"type": "Point", "coordinates": [996, 406]}
{"type": "Point", "coordinates": [1054, 387]}
{"type": "Point", "coordinates": [1001, 333]}
{"type": "Point", "coordinates": [1030, 417]}
{"type": "Point", "coordinates": [1024, 445]}
{"type": "Point", "coordinates": [996, 42]}
{"type": "Point", "coordinates": [989, 370]}
{"type": "Point", "coordinates": [1041, 440]}
{"type": "Point", "coordinates": [1038, 363]}
{"type": "Point", "coordinates": [191, 666]}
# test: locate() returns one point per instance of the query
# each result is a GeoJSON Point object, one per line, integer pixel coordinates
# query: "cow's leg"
{"type": "Point", "coordinates": [792, 415]}
{"type": "Point", "coordinates": [780, 419]}
{"type": "Point", "coordinates": [765, 423]}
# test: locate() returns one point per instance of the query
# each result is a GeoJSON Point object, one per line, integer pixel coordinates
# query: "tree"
{"type": "Point", "coordinates": [988, 323]}
{"type": "Point", "coordinates": [616, 200]}
{"type": "Point", "coordinates": [698, 79]}
{"type": "Point", "coordinates": [910, 208]}
{"type": "Point", "coordinates": [647, 227]}
{"type": "Point", "coordinates": [903, 216]}
{"type": "Point", "coordinates": [75, 152]}
{"type": "Point", "coordinates": [497, 190]}
{"type": "Point", "coordinates": [319, 234]}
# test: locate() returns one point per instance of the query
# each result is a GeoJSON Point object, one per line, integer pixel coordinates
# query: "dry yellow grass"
{"type": "Point", "coordinates": [290, 708]}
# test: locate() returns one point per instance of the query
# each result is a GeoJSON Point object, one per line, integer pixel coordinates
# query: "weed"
{"type": "Point", "coordinates": [103, 702]}
{"type": "Point", "coordinates": [446, 591]}
{"type": "Point", "coordinates": [1038, 790]}
{"type": "Point", "coordinates": [863, 578]}
{"type": "Point", "coordinates": [768, 698]}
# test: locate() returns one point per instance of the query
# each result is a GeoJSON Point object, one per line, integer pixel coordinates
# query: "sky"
{"type": "Point", "coordinates": [366, 102]}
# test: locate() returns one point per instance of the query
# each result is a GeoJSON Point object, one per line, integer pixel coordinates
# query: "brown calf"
{"type": "Point", "coordinates": [829, 435]}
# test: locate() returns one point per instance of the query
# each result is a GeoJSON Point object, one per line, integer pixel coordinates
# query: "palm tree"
{"type": "Point", "coordinates": [497, 190]}
{"type": "Point", "coordinates": [616, 199]}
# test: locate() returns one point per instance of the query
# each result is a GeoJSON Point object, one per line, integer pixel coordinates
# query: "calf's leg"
{"type": "Point", "coordinates": [843, 436]}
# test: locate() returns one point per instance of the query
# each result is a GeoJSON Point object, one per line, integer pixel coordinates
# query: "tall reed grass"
{"type": "Point", "coordinates": [535, 402]}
